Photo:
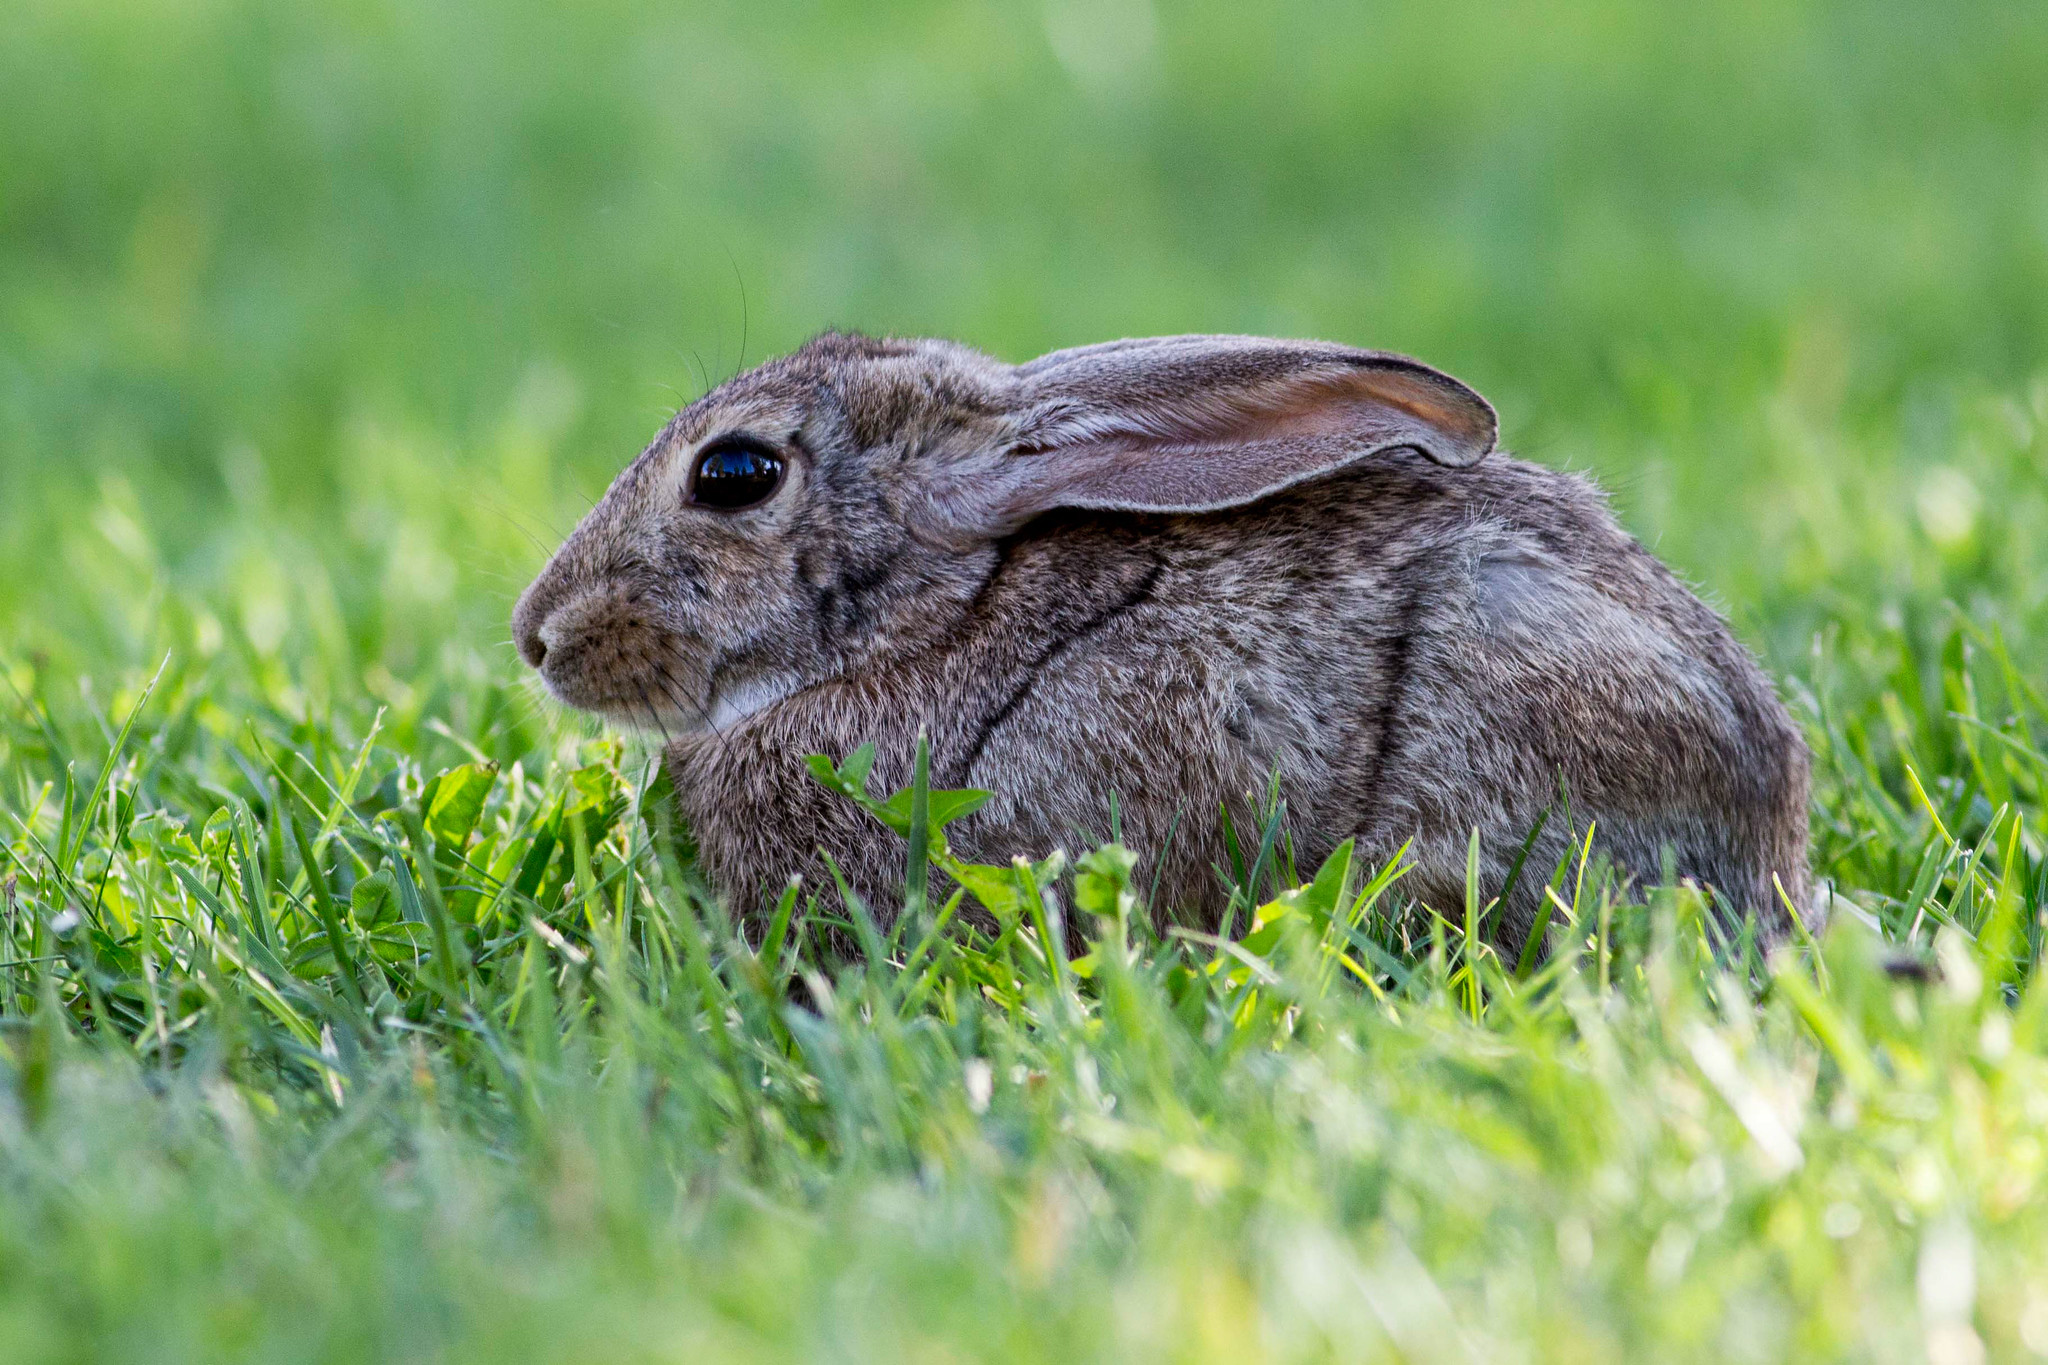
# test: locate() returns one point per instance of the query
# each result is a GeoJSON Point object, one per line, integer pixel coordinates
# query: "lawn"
{"type": "Point", "coordinates": [357, 1003]}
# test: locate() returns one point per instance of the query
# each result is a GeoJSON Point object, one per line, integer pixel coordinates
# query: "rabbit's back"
{"type": "Point", "coordinates": [1420, 652]}
{"type": "Point", "coordinates": [1540, 667]}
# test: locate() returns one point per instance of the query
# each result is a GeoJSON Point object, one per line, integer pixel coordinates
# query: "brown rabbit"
{"type": "Point", "coordinates": [1162, 569]}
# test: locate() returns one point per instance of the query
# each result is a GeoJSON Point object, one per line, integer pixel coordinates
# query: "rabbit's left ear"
{"type": "Point", "coordinates": [1199, 424]}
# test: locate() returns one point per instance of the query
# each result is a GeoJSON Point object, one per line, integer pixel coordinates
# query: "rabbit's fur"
{"type": "Point", "coordinates": [1165, 569]}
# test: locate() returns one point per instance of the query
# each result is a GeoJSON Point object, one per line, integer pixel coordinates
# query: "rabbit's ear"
{"type": "Point", "coordinates": [1199, 424]}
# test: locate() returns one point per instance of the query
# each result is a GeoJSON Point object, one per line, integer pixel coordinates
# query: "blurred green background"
{"type": "Point", "coordinates": [320, 323]}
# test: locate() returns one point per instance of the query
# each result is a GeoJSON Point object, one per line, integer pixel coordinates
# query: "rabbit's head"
{"type": "Point", "coordinates": [849, 498]}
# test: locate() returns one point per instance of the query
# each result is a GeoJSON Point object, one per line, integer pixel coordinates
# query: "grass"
{"type": "Point", "coordinates": [357, 1005]}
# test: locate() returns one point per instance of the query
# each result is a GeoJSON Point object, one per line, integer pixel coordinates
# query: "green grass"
{"type": "Point", "coordinates": [357, 1005]}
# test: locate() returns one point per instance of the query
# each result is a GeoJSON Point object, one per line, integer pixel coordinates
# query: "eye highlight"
{"type": "Point", "coordinates": [734, 472]}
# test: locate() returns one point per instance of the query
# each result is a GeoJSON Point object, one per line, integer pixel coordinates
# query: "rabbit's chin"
{"type": "Point", "coordinates": [658, 714]}
{"type": "Point", "coordinates": [655, 720]}
{"type": "Point", "coordinates": [652, 706]}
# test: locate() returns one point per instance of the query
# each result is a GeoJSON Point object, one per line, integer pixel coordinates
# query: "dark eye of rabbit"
{"type": "Point", "coordinates": [733, 474]}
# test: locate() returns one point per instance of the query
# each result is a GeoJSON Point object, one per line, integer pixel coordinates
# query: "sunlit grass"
{"type": "Point", "coordinates": [336, 1057]}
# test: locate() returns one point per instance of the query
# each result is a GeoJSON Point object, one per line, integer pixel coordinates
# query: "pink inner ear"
{"type": "Point", "coordinates": [1446, 420]}
{"type": "Point", "coordinates": [1229, 450]}
{"type": "Point", "coordinates": [1173, 476]}
{"type": "Point", "coordinates": [1197, 425]}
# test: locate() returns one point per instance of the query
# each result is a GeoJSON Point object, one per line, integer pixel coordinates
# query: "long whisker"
{"type": "Point", "coordinates": [673, 690]}
{"type": "Point", "coordinates": [654, 714]}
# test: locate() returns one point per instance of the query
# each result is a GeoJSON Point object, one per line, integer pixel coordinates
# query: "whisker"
{"type": "Point", "coordinates": [654, 714]}
{"type": "Point", "coordinates": [641, 656]}
{"type": "Point", "coordinates": [739, 279]}
{"type": "Point", "coordinates": [673, 690]}
{"type": "Point", "coordinates": [518, 523]}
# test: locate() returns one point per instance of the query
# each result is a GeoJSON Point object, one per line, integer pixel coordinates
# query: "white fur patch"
{"type": "Point", "coordinates": [755, 694]}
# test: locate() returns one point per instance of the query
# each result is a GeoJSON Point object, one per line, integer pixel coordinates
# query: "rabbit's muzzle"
{"type": "Point", "coordinates": [603, 650]}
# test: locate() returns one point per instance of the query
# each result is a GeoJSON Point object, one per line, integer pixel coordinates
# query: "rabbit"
{"type": "Point", "coordinates": [1159, 572]}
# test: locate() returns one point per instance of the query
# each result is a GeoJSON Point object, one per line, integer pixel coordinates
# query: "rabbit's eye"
{"type": "Point", "coordinates": [735, 473]}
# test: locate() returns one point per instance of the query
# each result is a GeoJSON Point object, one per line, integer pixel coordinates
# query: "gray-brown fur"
{"type": "Point", "coordinates": [1164, 569]}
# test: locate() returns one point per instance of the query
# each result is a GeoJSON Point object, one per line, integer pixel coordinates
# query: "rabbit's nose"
{"type": "Point", "coordinates": [527, 619]}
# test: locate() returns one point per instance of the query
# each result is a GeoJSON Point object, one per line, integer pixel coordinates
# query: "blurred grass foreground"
{"type": "Point", "coordinates": [357, 1005]}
